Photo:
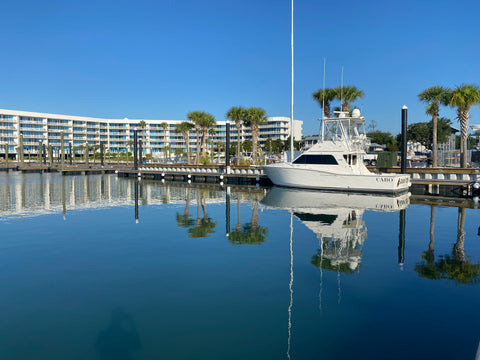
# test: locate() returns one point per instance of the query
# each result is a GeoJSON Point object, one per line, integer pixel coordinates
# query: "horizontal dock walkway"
{"type": "Point", "coordinates": [202, 174]}
{"type": "Point", "coordinates": [430, 180]}
{"type": "Point", "coordinates": [439, 180]}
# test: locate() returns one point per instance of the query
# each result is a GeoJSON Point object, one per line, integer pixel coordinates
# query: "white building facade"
{"type": "Point", "coordinates": [117, 134]}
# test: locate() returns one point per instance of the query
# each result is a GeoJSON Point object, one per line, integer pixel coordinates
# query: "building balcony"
{"type": "Point", "coordinates": [22, 122]}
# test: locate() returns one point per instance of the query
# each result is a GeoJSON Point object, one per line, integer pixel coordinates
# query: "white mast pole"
{"type": "Point", "coordinates": [291, 100]}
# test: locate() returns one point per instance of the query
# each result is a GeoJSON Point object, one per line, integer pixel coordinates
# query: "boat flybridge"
{"type": "Point", "coordinates": [335, 162]}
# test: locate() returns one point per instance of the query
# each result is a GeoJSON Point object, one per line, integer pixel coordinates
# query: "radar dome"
{"type": "Point", "coordinates": [356, 113]}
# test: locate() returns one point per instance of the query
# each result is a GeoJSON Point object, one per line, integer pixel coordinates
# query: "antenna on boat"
{"type": "Point", "coordinates": [341, 91]}
{"type": "Point", "coordinates": [291, 100]}
{"type": "Point", "coordinates": [323, 99]}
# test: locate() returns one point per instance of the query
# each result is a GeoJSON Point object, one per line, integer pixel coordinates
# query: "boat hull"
{"type": "Point", "coordinates": [317, 201]}
{"type": "Point", "coordinates": [289, 175]}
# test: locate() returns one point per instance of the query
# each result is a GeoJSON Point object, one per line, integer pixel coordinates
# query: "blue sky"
{"type": "Point", "coordinates": [161, 59]}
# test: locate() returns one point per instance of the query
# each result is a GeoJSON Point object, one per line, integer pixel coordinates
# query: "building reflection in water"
{"type": "Point", "coordinates": [37, 194]}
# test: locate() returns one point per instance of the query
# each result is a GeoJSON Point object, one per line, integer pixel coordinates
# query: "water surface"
{"type": "Point", "coordinates": [100, 267]}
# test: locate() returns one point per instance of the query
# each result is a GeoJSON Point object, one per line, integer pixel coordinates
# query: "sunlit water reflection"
{"type": "Point", "coordinates": [110, 268]}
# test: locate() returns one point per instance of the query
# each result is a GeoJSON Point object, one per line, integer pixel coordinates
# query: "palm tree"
{"type": "Point", "coordinates": [184, 128]}
{"type": "Point", "coordinates": [129, 146]}
{"type": "Point", "coordinates": [195, 117]}
{"type": "Point", "coordinates": [432, 97]}
{"type": "Point", "coordinates": [324, 99]}
{"type": "Point", "coordinates": [348, 94]}
{"type": "Point", "coordinates": [142, 124]}
{"type": "Point", "coordinates": [95, 148]}
{"type": "Point", "coordinates": [237, 114]}
{"type": "Point", "coordinates": [166, 151]}
{"type": "Point", "coordinates": [254, 118]}
{"type": "Point", "coordinates": [463, 97]}
{"type": "Point", "coordinates": [206, 121]}
{"type": "Point", "coordinates": [211, 133]}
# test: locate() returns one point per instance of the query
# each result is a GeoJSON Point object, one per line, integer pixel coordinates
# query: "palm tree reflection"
{"type": "Point", "coordinates": [454, 267]}
{"type": "Point", "coordinates": [184, 220]}
{"type": "Point", "coordinates": [203, 226]}
{"type": "Point", "coordinates": [250, 233]}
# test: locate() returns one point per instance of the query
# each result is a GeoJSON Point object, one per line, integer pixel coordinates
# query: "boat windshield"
{"type": "Point", "coordinates": [349, 130]}
{"type": "Point", "coordinates": [316, 159]}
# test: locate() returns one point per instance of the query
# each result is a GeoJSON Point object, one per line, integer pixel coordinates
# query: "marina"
{"type": "Point", "coordinates": [162, 198]}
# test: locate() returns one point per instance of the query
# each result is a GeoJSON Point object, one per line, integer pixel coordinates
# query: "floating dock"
{"type": "Point", "coordinates": [435, 181]}
{"type": "Point", "coordinates": [201, 174]}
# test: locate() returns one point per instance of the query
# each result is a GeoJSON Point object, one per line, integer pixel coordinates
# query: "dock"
{"type": "Point", "coordinates": [213, 174]}
{"type": "Point", "coordinates": [435, 181]}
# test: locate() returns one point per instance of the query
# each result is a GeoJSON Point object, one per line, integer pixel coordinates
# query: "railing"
{"type": "Point", "coordinates": [451, 158]}
{"type": "Point", "coordinates": [202, 169]}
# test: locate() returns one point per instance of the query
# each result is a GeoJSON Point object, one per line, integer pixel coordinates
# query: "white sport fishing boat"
{"type": "Point", "coordinates": [336, 162]}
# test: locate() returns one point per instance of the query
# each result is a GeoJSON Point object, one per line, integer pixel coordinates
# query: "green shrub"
{"type": "Point", "coordinates": [204, 160]}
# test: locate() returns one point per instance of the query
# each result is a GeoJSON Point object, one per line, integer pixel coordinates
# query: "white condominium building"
{"type": "Point", "coordinates": [117, 134]}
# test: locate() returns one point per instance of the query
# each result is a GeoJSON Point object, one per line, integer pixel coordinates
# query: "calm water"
{"type": "Point", "coordinates": [100, 267]}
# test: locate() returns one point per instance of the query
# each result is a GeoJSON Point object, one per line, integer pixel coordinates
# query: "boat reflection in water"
{"type": "Point", "coordinates": [336, 219]}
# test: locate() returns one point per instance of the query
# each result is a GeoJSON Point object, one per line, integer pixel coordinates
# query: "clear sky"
{"type": "Point", "coordinates": [161, 59]}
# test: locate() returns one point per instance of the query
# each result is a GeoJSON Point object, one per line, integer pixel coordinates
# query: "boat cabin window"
{"type": "Point", "coordinates": [316, 159]}
{"type": "Point", "coordinates": [350, 159]}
